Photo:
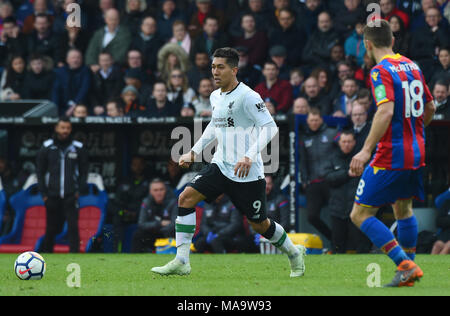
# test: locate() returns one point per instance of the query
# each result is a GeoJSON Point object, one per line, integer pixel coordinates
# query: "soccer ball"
{"type": "Point", "coordinates": [29, 266]}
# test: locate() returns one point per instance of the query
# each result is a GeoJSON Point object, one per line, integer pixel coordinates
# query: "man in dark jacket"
{"type": "Point", "coordinates": [318, 47]}
{"type": "Point", "coordinates": [442, 245]}
{"type": "Point", "coordinates": [71, 84]}
{"type": "Point", "coordinates": [156, 218]}
{"type": "Point", "coordinates": [316, 145]}
{"type": "Point", "coordinates": [221, 227]}
{"type": "Point", "coordinates": [345, 235]}
{"type": "Point", "coordinates": [66, 162]}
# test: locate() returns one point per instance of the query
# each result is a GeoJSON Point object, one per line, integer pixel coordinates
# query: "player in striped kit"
{"type": "Point", "coordinates": [394, 176]}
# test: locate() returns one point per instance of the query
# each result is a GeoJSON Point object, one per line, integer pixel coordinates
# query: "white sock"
{"type": "Point", "coordinates": [281, 240]}
{"type": "Point", "coordinates": [184, 232]}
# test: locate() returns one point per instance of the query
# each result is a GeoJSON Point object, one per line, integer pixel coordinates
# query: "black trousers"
{"type": "Point", "coordinates": [317, 196]}
{"type": "Point", "coordinates": [347, 237]}
{"type": "Point", "coordinates": [60, 210]}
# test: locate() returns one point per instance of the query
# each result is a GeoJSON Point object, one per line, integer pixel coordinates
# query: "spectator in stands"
{"type": "Point", "coordinates": [211, 38]}
{"type": "Point", "coordinates": [428, 39]}
{"type": "Point", "coordinates": [316, 142]}
{"type": "Point", "coordinates": [260, 14]}
{"type": "Point", "coordinates": [80, 111]}
{"type": "Point", "coordinates": [136, 65]}
{"type": "Point", "coordinates": [71, 84]}
{"type": "Point", "coordinates": [159, 105]}
{"type": "Point", "coordinates": [6, 12]}
{"type": "Point", "coordinates": [441, 96]}
{"type": "Point", "coordinates": [60, 191]}
{"type": "Point", "coordinates": [12, 41]}
{"type": "Point", "coordinates": [317, 49]}
{"type": "Point", "coordinates": [114, 108]}
{"type": "Point", "coordinates": [308, 13]}
{"type": "Point", "coordinates": [442, 70]}
{"type": "Point", "coordinates": [204, 9]}
{"type": "Point", "coordinates": [61, 15]}
{"type": "Point", "coordinates": [389, 8]}
{"type": "Point", "coordinates": [106, 83]}
{"type": "Point", "coordinates": [97, 14]}
{"type": "Point", "coordinates": [361, 126]}
{"type": "Point", "coordinates": [200, 70]}
{"type": "Point", "coordinates": [113, 38]}
{"type": "Point", "coordinates": [42, 40]}
{"type": "Point", "coordinates": [148, 42]}
{"type": "Point", "coordinates": [187, 110]}
{"type": "Point", "coordinates": [348, 16]}
{"type": "Point", "coordinates": [38, 79]}
{"type": "Point", "coordinates": [273, 87]}
{"type": "Point", "coordinates": [296, 79]}
{"type": "Point", "coordinates": [126, 204]}
{"type": "Point", "coordinates": [12, 86]}
{"type": "Point", "coordinates": [178, 90]}
{"type": "Point", "coordinates": [278, 54]}
{"type": "Point", "coordinates": [256, 42]}
{"type": "Point", "coordinates": [166, 18]}
{"type": "Point", "coordinates": [277, 204]}
{"type": "Point", "coordinates": [442, 245]}
{"type": "Point", "coordinates": [401, 35]}
{"type": "Point", "coordinates": [362, 75]}
{"type": "Point", "coordinates": [345, 235]}
{"type": "Point", "coordinates": [354, 44]}
{"type": "Point", "coordinates": [135, 11]}
{"type": "Point", "coordinates": [343, 104]}
{"type": "Point", "coordinates": [311, 92]}
{"type": "Point", "coordinates": [248, 74]}
{"type": "Point", "coordinates": [221, 227]}
{"type": "Point", "coordinates": [181, 36]}
{"type": "Point", "coordinates": [40, 8]}
{"type": "Point", "coordinates": [287, 34]}
{"type": "Point", "coordinates": [329, 88]}
{"type": "Point", "coordinates": [301, 106]}
{"type": "Point", "coordinates": [172, 56]}
{"type": "Point", "coordinates": [133, 77]}
{"type": "Point", "coordinates": [202, 103]}
{"type": "Point", "coordinates": [418, 19]}
{"type": "Point", "coordinates": [156, 218]}
{"type": "Point", "coordinates": [337, 55]}
{"type": "Point", "coordinates": [131, 100]}
{"type": "Point", "coordinates": [72, 37]}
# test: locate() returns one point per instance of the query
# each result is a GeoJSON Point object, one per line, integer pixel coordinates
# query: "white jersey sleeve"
{"type": "Point", "coordinates": [256, 109]}
{"type": "Point", "coordinates": [207, 138]}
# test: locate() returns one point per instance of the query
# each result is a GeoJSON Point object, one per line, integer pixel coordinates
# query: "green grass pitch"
{"type": "Point", "coordinates": [222, 275]}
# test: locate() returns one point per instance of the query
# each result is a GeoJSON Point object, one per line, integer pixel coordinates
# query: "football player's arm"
{"type": "Point", "coordinates": [266, 133]}
{"type": "Point", "coordinates": [207, 138]}
{"type": "Point", "coordinates": [380, 125]}
{"type": "Point", "coordinates": [430, 109]}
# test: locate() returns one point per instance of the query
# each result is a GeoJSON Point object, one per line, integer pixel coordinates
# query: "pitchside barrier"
{"type": "Point", "coordinates": [112, 142]}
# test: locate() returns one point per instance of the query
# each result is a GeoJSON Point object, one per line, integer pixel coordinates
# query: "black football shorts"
{"type": "Point", "coordinates": [248, 197]}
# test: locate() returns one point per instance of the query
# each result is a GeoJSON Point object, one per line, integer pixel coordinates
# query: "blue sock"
{"type": "Point", "coordinates": [383, 238]}
{"type": "Point", "coordinates": [407, 235]}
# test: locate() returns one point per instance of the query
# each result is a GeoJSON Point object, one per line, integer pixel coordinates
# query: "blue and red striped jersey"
{"type": "Point", "coordinates": [398, 79]}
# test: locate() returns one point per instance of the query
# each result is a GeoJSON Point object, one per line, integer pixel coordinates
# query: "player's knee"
{"type": "Point", "coordinates": [357, 217]}
{"type": "Point", "coordinates": [186, 199]}
{"type": "Point", "coordinates": [260, 228]}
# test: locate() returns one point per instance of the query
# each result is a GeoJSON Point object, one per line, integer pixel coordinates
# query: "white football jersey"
{"type": "Point", "coordinates": [237, 117]}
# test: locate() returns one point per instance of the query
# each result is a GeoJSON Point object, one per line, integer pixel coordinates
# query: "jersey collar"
{"type": "Point", "coordinates": [229, 92]}
{"type": "Point", "coordinates": [396, 56]}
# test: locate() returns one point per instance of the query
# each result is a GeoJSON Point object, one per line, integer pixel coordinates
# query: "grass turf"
{"type": "Point", "coordinates": [222, 275]}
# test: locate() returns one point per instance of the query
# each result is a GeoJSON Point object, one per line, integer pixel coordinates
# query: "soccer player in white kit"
{"type": "Point", "coordinates": [242, 127]}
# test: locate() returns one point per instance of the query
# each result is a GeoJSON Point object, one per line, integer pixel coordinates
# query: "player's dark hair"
{"type": "Point", "coordinates": [230, 54]}
{"type": "Point", "coordinates": [379, 33]}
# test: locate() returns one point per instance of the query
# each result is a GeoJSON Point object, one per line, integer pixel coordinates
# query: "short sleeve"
{"type": "Point", "coordinates": [256, 109]}
{"type": "Point", "coordinates": [382, 86]}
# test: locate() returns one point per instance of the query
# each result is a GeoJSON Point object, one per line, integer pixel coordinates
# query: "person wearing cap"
{"type": "Point", "coordinates": [278, 54]}
{"type": "Point", "coordinates": [130, 97]}
{"type": "Point", "coordinates": [256, 42]}
{"type": "Point", "coordinates": [289, 35]}
{"type": "Point", "coordinates": [134, 77]}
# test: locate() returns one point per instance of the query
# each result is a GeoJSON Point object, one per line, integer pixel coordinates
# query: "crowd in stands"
{"type": "Point", "coordinates": [151, 58]}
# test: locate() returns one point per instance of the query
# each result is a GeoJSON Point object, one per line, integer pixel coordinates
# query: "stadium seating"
{"type": "Point", "coordinates": [29, 221]}
{"type": "Point", "coordinates": [91, 217]}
